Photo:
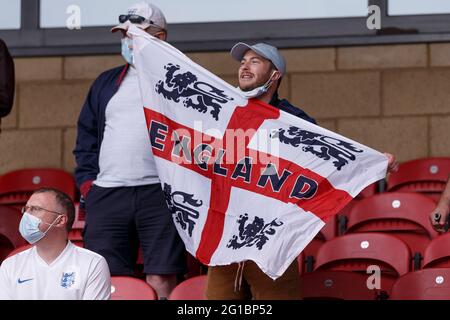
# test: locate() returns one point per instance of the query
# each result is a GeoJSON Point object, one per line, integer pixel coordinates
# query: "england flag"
{"type": "Point", "coordinates": [242, 179]}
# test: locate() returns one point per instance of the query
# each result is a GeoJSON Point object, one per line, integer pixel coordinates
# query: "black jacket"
{"type": "Point", "coordinates": [6, 80]}
{"type": "Point", "coordinates": [284, 105]}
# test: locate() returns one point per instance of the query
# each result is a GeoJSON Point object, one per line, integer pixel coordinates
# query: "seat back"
{"type": "Point", "coordinates": [335, 285]}
{"type": "Point", "coordinates": [437, 254]}
{"type": "Point", "coordinates": [195, 267]}
{"type": "Point", "coordinates": [9, 225]}
{"type": "Point", "coordinates": [355, 252]}
{"type": "Point", "coordinates": [17, 186]}
{"type": "Point", "coordinates": [328, 232]}
{"type": "Point", "coordinates": [405, 215]}
{"type": "Point", "coordinates": [190, 289]}
{"type": "Point", "coordinates": [129, 288]}
{"type": "Point", "coordinates": [301, 263]}
{"type": "Point", "coordinates": [427, 176]}
{"type": "Point", "coordinates": [426, 284]}
{"type": "Point", "coordinates": [19, 249]}
{"type": "Point", "coordinates": [368, 191]}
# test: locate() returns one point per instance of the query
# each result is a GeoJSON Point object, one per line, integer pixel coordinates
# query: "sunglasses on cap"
{"type": "Point", "coordinates": [134, 18]}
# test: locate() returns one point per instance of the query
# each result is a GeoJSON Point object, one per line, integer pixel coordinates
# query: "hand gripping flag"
{"type": "Point", "coordinates": [242, 179]}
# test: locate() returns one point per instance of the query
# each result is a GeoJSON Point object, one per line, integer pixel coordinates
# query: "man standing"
{"type": "Point", "coordinates": [261, 69]}
{"type": "Point", "coordinates": [116, 171]}
{"type": "Point", "coordinates": [6, 81]}
{"type": "Point", "coordinates": [53, 268]}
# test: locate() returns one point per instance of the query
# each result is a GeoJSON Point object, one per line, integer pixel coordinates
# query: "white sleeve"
{"type": "Point", "coordinates": [5, 284]}
{"type": "Point", "coordinates": [99, 282]}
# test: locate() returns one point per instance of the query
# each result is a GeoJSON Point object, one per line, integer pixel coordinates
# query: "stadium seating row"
{"type": "Point", "coordinates": [387, 229]}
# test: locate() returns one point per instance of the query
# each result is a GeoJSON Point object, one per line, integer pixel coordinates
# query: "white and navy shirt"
{"type": "Point", "coordinates": [76, 274]}
{"type": "Point", "coordinates": [126, 158]}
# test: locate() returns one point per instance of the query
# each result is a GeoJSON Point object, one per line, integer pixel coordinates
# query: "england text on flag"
{"type": "Point", "coordinates": [242, 179]}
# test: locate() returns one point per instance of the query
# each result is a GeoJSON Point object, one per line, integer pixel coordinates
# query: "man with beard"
{"type": "Point", "coordinates": [260, 73]}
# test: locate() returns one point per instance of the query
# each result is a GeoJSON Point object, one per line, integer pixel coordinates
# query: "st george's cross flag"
{"type": "Point", "coordinates": [242, 179]}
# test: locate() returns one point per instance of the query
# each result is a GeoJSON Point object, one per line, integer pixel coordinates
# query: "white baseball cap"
{"type": "Point", "coordinates": [143, 15]}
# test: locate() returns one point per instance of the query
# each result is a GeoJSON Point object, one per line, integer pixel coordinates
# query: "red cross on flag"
{"type": "Point", "coordinates": [242, 179]}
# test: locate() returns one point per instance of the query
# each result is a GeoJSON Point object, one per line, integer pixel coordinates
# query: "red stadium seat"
{"type": "Point", "coordinates": [342, 216]}
{"type": "Point", "coordinates": [301, 262]}
{"type": "Point", "coordinates": [341, 285]}
{"type": "Point", "coordinates": [190, 289]}
{"type": "Point", "coordinates": [195, 267]}
{"type": "Point", "coordinates": [17, 186]}
{"type": "Point", "coordinates": [328, 232]}
{"type": "Point", "coordinates": [5, 248]}
{"type": "Point", "coordinates": [129, 288]}
{"type": "Point", "coordinates": [426, 284]}
{"type": "Point", "coordinates": [437, 254]}
{"type": "Point", "coordinates": [356, 252]}
{"type": "Point", "coordinates": [404, 215]}
{"type": "Point", "coordinates": [368, 191]}
{"type": "Point", "coordinates": [427, 176]}
{"type": "Point", "coordinates": [9, 230]}
{"type": "Point", "coordinates": [19, 249]}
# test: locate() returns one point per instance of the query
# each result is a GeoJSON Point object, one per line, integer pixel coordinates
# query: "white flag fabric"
{"type": "Point", "coordinates": [242, 179]}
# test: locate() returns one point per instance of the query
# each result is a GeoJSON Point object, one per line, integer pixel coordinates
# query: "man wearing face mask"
{"type": "Point", "coordinates": [53, 268]}
{"type": "Point", "coordinates": [116, 172]}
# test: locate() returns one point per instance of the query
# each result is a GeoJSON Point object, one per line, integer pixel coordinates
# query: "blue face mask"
{"type": "Point", "coordinates": [127, 53]}
{"type": "Point", "coordinates": [29, 228]}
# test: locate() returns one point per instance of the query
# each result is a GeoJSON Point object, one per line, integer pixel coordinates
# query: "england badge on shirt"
{"type": "Point", "coordinates": [69, 278]}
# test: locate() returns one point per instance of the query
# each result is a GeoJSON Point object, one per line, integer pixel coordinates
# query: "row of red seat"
{"type": "Point", "coordinates": [427, 284]}
{"type": "Point", "coordinates": [359, 252]}
{"type": "Point", "coordinates": [402, 215]}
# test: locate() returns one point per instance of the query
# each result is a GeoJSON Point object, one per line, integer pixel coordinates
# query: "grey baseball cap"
{"type": "Point", "coordinates": [263, 49]}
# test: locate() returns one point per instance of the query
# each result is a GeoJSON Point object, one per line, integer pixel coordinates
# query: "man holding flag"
{"type": "Point", "coordinates": [261, 70]}
{"type": "Point", "coordinates": [244, 180]}
{"type": "Point", "coordinates": [260, 73]}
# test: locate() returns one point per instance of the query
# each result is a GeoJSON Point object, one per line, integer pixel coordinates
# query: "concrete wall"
{"type": "Point", "coordinates": [393, 98]}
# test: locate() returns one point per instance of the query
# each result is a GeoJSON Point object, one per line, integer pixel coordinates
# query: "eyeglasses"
{"type": "Point", "coordinates": [36, 209]}
{"type": "Point", "coordinates": [134, 18]}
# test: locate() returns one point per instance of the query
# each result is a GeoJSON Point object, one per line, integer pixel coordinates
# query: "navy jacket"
{"type": "Point", "coordinates": [284, 105]}
{"type": "Point", "coordinates": [91, 124]}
